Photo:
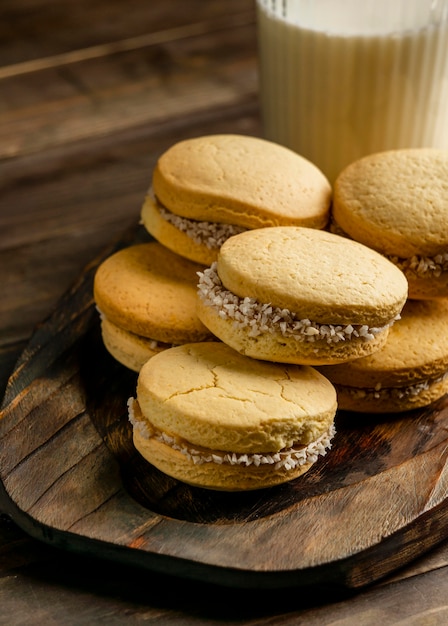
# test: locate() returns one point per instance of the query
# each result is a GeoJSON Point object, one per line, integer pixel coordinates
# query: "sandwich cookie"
{"type": "Point", "coordinates": [209, 188]}
{"type": "Point", "coordinates": [213, 418]}
{"type": "Point", "coordinates": [146, 296]}
{"type": "Point", "coordinates": [410, 371]}
{"type": "Point", "coordinates": [396, 202]}
{"type": "Point", "coordinates": [300, 295]}
{"type": "Point", "coordinates": [128, 348]}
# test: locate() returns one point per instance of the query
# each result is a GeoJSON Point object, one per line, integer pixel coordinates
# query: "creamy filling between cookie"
{"type": "Point", "coordinates": [288, 458]}
{"type": "Point", "coordinates": [264, 318]}
{"type": "Point", "coordinates": [383, 393]}
{"type": "Point", "coordinates": [421, 266]}
{"type": "Point", "coordinates": [210, 234]}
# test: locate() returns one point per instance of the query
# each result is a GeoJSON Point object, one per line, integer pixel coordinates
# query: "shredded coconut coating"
{"type": "Point", "coordinates": [210, 234]}
{"type": "Point", "coordinates": [380, 392]}
{"type": "Point", "coordinates": [421, 266]}
{"type": "Point", "coordinates": [265, 318]}
{"type": "Point", "coordinates": [288, 458]}
{"type": "Point", "coordinates": [100, 313]}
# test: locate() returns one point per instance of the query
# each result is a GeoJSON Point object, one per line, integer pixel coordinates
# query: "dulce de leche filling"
{"type": "Point", "coordinates": [288, 458]}
{"type": "Point", "coordinates": [265, 318]}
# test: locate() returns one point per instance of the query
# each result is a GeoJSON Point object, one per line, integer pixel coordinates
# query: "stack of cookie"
{"type": "Point", "coordinates": [280, 293]}
{"type": "Point", "coordinates": [396, 202]}
{"type": "Point", "coordinates": [253, 411]}
{"type": "Point", "coordinates": [203, 191]}
{"type": "Point", "coordinates": [146, 297]}
{"type": "Point", "coordinates": [218, 418]}
{"type": "Point", "coordinates": [295, 298]}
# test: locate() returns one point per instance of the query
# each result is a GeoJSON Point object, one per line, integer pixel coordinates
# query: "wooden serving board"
{"type": "Point", "coordinates": [70, 476]}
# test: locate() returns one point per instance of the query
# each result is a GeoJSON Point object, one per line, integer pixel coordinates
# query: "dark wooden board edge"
{"type": "Point", "coordinates": [352, 573]}
{"type": "Point", "coordinates": [362, 568]}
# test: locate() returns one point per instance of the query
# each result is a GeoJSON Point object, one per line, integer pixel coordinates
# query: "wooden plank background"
{"type": "Point", "coordinates": [90, 94]}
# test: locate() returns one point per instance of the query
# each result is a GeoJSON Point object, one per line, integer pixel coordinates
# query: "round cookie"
{"type": "Point", "coordinates": [127, 348]}
{"type": "Point", "coordinates": [209, 188]}
{"type": "Point", "coordinates": [396, 202]}
{"type": "Point", "coordinates": [300, 295]}
{"type": "Point", "coordinates": [146, 296]}
{"type": "Point", "coordinates": [213, 418]}
{"type": "Point", "coordinates": [410, 371]}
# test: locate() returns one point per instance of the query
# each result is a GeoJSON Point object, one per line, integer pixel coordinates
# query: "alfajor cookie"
{"type": "Point", "coordinates": [146, 296]}
{"type": "Point", "coordinates": [300, 295]}
{"type": "Point", "coordinates": [213, 418]}
{"type": "Point", "coordinates": [209, 188]}
{"type": "Point", "coordinates": [128, 348]}
{"type": "Point", "coordinates": [410, 370]}
{"type": "Point", "coordinates": [396, 202]}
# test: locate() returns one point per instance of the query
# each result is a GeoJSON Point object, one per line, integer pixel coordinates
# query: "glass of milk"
{"type": "Point", "coordinates": [340, 79]}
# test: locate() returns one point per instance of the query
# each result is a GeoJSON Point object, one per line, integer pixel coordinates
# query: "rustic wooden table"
{"type": "Point", "coordinates": [91, 92]}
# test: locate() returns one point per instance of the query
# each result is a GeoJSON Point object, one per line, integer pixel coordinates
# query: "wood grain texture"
{"type": "Point", "coordinates": [71, 476]}
{"type": "Point", "coordinates": [58, 211]}
{"type": "Point", "coordinates": [177, 67]}
{"type": "Point", "coordinates": [64, 194]}
{"type": "Point", "coordinates": [32, 30]}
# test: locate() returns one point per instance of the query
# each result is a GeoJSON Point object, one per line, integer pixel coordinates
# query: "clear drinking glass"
{"type": "Point", "coordinates": [340, 79]}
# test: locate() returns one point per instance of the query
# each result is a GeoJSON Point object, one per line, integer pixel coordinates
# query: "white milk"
{"type": "Point", "coordinates": [336, 85]}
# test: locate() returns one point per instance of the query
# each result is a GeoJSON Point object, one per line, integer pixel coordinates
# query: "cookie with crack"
{"type": "Point", "coordinates": [410, 370]}
{"type": "Point", "coordinates": [396, 202]}
{"type": "Point", "coordinates": [213, 418]}
{"type": "Point", "coordinates": [208, 188]}
{"type": "Point", "coordinates": [300, 295]}
{"type": "Point", "coordinates": [146, 296]}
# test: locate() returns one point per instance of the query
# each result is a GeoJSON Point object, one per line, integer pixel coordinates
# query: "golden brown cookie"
{"type": "Point", "coordinates": [146, 295]}
{"type": "Point", "coordinates": [300, 295]}
{"type": "Point", "coordinates": [127, 348]}
{"type": "Point", "coordinates": [410, 371]}
{"type": "Point", "coordinates": [396, 202]}
{"type": "Point", "coordinates": [213, 418]}
{"type": "Point", "coordinates": [209, 188]}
